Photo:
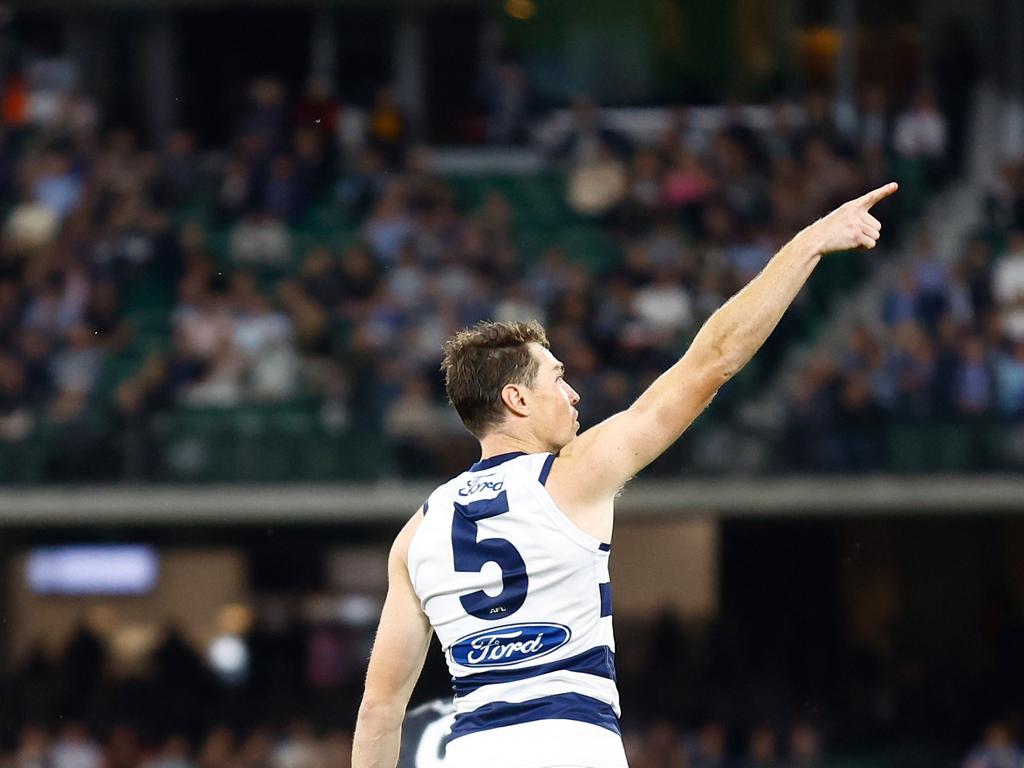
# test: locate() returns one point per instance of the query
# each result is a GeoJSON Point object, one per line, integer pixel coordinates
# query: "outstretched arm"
{"type": "Point", "coordinates": [596, 464]}
{"type": "Point", "coordinates": [399, 649]}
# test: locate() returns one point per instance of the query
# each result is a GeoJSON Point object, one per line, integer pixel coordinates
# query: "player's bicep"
{"type": "Point", "coordinates": [615, 450]}
{"type": "Point", "coordinates": [403, 638]}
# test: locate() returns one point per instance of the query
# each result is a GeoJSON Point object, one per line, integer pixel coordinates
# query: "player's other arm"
{"type": "Point", "coordinates": [403, 637]}
{"type": "Point", "coordinates": [603, 458]}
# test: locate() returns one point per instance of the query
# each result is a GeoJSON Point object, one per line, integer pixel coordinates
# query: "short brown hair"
{"type": "Point", "coordinates": [480, 361]}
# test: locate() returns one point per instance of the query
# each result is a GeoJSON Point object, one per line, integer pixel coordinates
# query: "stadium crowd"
{"type": "Point", "coordinates": [100, 231]}
{"type": "Point", "coordinates": [73, 711]}
{"type": "Point", "coordinates": [299, 745]}
{"type": "Point", "coordinates": [292, 704]}
{"type": "Point", "coordinates": [948, 350]}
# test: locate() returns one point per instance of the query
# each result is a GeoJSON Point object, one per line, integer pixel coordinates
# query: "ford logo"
{"type": "Point", "coordinates": [509, 645]}
{"type": "Point", "coordinates": [479, 484]}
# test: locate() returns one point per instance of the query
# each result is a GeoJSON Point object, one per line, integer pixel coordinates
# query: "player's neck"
{"type": "Point", "coordinates": [498, 444]}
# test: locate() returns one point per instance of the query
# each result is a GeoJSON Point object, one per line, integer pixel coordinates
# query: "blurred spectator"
{"type": "Point", "coordinates": [998, 749]}
{"type": "Point", "coordinates": [33, 749]}
{"type": "Point", "coordinates": [218, 749]}
{"type": "Point", "coordinates": [420, 426]}
{"type": "Point", "coordinates": [709, 751]}
{"type": "Point", "coordinates": [388, 128]}
{"type": "Point", "coordinates": [920, 134]}
{"type": "Point", "coordinates": [300, 749]}
{"type": "Point", "coordinates": [74, 749]}
{"type": "Point", "coordinates": [123, 747]}
{"type": "Point", "coordinates": [973, 389]}
{"type": "Point", "coordinates": [805, 746]}
{"type": "Point", "coordinates": [260, 240]}
{"type": "Point", "coordinates": [874, 129]}
{"type": "Point", "coordinates": [173, 753]}
{"type": "Point", "coordinates": [257, 751]}
{"type": "Point", "coordinates": [389, 226]}
{"type": "Point", "coordinates": [282, 197]}
{"type": "Point", "coordinates": [314, 169]}
{"type": "Point", "coordinates": [662, 747]}
{"type": "Point", "coordinates": [508, 98]}
{"type": "Point", "coordinates": [597, 184]}
{"type": "Point", "coordinates": [180, 173]}
{"type": "Point", "coordinates": [587, 135]}
{"type": "Point", "coordinates": [318, 110]}
{"type": "Point", "coordinates": [30, 226]}
{"type": "Point", "coordinates": [1008, 286]}
{"type": "Point", "coordinates": [77, 366]}
{"type": "Point", "coordinates": [264, 339]}
{"type": "Point", "coordinates": [16, 418]}
{"type": "Point", "coordinates": [762, 749]}
{"type": "Point", "coordinates": [1009, 374]}
{"type": "Point", "coordinates": [266, 118]}
{"type": "Point", "coordinates": [55, 186]}
{"type": "Point", "coordinates": [337, 749]}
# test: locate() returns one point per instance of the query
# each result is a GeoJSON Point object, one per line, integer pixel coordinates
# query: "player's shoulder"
{"type": "Point", "coordinates": [400, 546]}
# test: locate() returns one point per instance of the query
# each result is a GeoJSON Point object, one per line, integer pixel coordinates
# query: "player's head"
{"type": "Point", "coordinates": [502, 377]}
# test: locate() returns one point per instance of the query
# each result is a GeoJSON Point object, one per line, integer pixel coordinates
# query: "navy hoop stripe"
{"type": "Point", "coordinates": [562, 706]}
{"type": "Point", "coordinates": [606, 598]}
{"type": "Point", "coordinates": [494, 461]}
{"type": "Point", "coordinates": [599, 661]}
{"type": "Point", "coordinates": [605, 547]}
{"type": "Point", "coordinates": [546, 469]}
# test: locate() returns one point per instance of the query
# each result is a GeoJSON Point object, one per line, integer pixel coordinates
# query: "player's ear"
{"type": "Point", "coordinates": [514, 398]}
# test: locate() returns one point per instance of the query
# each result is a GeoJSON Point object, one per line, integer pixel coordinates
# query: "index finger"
{"type": "Point", "coordinates": [876, 196]}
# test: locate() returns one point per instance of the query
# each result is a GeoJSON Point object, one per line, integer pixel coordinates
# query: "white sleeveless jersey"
{"type": "Point", "coordinates": [520, 599]}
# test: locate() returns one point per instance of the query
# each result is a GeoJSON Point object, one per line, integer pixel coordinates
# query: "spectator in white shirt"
{"type": "Point", "coordinates": [1008, 287]}
{"type": "Point", "coordinates": [920, 134]}
{"type": "Point", "coordinates": [74, 749]}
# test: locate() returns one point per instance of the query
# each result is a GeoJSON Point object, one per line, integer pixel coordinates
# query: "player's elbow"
{"type": "Point", "coordinates": [718, 364]}
{"type": "Point", "coordinates": [712, 358]}
{"type": "Point", "coordinates": [380, 712]}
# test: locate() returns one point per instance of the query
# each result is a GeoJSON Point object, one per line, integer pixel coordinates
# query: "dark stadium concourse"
{"type": "Point", "coordinates": [813, 621]}
{"type": "Point", "coordinates": [226, 45]}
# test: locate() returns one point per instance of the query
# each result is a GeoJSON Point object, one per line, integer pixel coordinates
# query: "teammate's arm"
{"type": "Point", "coordinates": [602, 459]}
{"type": "Point", "coordinates": [403, 637]}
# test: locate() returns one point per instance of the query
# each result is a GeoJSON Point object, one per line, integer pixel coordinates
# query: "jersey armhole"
{"type": "Point", "coordinates": [412, 544]}
{"type": "Point", "coordinates": [555, 513]}
{"type": "Point", "coordinates": [545, 470]}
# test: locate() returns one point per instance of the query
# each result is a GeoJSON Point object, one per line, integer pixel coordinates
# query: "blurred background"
{"type": "Point", "coordinates": [234, 236]}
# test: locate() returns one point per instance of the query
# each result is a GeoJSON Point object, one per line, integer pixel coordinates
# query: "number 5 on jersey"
{"type": "Point", "coordinates": [471, 556]}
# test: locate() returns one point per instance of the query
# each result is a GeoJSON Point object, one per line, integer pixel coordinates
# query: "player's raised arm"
{"type": "Point", "coordinates": [403, 637]}
{"type": "Point", "coordinates": [603, 458]}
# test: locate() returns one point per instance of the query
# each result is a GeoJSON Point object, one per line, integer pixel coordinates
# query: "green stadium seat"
{"type": "Point", "coordinates": [907, 448]}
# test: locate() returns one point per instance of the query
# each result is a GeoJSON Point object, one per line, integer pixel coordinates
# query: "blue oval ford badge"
{"type": "Point", "coordinates": [509, 645]}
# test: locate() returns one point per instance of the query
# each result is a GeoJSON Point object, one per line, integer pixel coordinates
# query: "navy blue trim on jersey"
{"type": "Point", "coordinates": [494, 461]}
{"type": "Point", "coordinates": [426, 506]}
{"type": "Point", "coordinates": [599, 661]}
{"type": "Point", "coordinates": [605, 547]}
{"type": "Point", "coordinates": [561, 706]}
{"type": "Point", "coordinates": [546, 469]}
{"type": "Point", "coordinates": [606, 598]}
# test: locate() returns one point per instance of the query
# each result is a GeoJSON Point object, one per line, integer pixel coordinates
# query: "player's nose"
{"type": "Point", "coordinates": [574, 396]}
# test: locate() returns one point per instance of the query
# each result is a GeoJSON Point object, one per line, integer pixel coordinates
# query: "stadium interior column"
{"type": "Point", "coordinates": [1015, 51]}
{"type": "Point", "coordinates": [158, 74]}
{"type": "Point", "coordinates": [409, 68]}
{"type": "Point", "coordinates": [323, 50]}
{"type": "Point", "coordinates": [89, 44]}
{"type": "Point", "coordinates": [846, 63]}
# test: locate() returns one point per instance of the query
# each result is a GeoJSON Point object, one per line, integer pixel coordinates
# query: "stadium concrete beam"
{"type": "Point", "coordinates": [303, 504]}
